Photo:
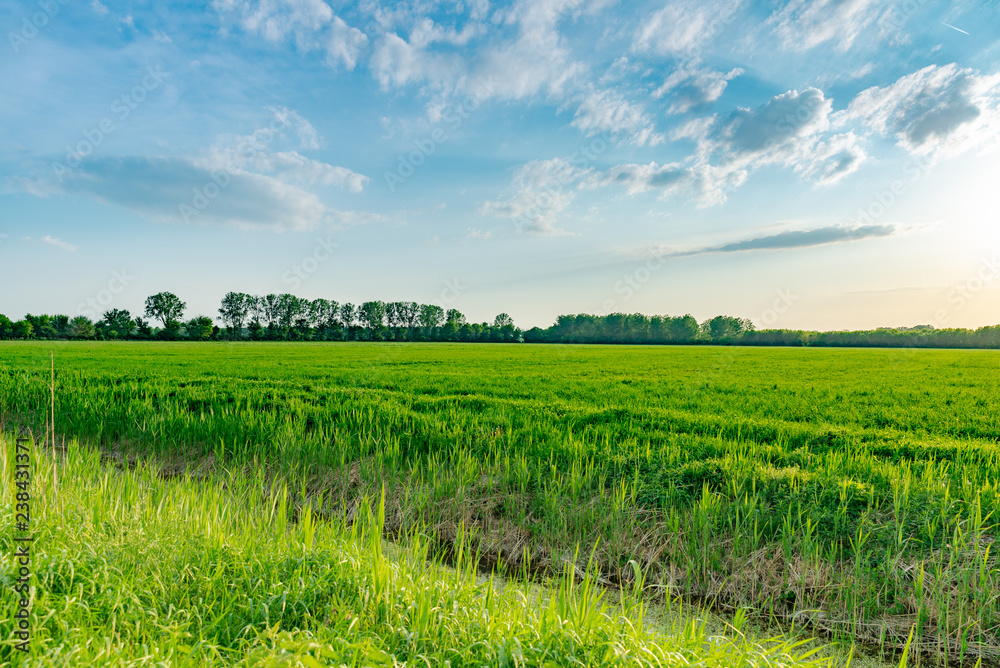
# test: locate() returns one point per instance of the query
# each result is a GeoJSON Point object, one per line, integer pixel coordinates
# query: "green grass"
{"type": "Point", "coordinates": [851, 491]}
{"type": "Point", "coordinates": [132, 569]}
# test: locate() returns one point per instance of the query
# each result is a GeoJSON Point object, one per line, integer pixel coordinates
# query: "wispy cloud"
{"type": "Point", "coordinates": [805, 24]}
{"type": "Point", "coordinates": [58, 243]}
{"type": "Point", "coordinates": [786, 240]}
{"type": "Point", "coordinates": [476, 233]}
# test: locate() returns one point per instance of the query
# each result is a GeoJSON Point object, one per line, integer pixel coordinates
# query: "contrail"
{"type": "Point", "coordinates": [954, 28]}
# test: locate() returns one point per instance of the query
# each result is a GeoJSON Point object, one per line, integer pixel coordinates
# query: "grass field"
{"type": "Point", "coordinates": [850, 491]}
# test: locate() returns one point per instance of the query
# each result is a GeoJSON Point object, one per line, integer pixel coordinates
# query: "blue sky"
{"type": "Point", "coordinates": [828, 164]}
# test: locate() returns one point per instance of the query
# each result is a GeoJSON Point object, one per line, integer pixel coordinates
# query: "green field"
{"type": "Point", "coordinates": [852, 492]}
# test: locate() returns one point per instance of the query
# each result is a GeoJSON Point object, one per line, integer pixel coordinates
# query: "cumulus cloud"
{"type": "Point", "coordinates": [544, 189]}
{"type": "Point", "coordinates": [936, 110]}
{"type": "Point", "coordinates": [693, 87]}
{"type": "Point", "coordinates": [805, 24]}
{"type": "Point", "coordinates": [791, 129]}
{"type": "Point", "coordinates": [607, 111]}
{"type": "Point", "coordinates": [345, 45]}
{"type": "Point", "coordinates": [786, 240]}
{"type": "Point", "coordinates": [396, 62]}
{"type": "Point", "coordinates": [772, 131]}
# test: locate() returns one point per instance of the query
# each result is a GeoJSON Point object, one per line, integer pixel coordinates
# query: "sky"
{"type": "Point", "coordinates": [823, 164]}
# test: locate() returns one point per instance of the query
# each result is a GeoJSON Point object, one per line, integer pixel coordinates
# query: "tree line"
{"type": "Point", "coordinates": [272, 317]}
{"type": "Point", "coordinates": [636, 328]}
{"type": "Point", "coordinates": [285, 317]}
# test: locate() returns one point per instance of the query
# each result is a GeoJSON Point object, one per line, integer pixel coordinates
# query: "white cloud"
{"type": "Point", "coordinates": [545, 188]}
{"type": "Point", "coordinates": [427, 32]}
{"type": "Point", "coordinates": [684, 26]}
{"type": "Point", "coordinates": [274, 20]}
{"type": "Point", "coordinates": [938, 110]}
{"type": "Point", "coordinates": [396, 62]}
{"type": "Point", "coordinates": [345, 44]}
{"type": "Point", "coordinates": [242, 181]}
{"type": "Point", "coordinates": [805, 24]}
{"type": "Point", "coordinates": [607, 111]}
{"type": "Point", "coordinates": [311, 23]}
{"type": "Point", "coordinates": [790, 130]}
{"type": "Point", "coordinates": [293, 167]}
{"type": "Point", "coordinates": [538, 60]}
{"type": "Point", "coordinates": [691, 87]}
{"type": "Point", "coordinates": [180, 190]}
{"type": "Point", "coordinates": [784, 240]}
{"type": "Point", "coordinates": [704, 183]}
{"type": "Point", "coordinates": [261, 152]}
{"type": "Point", "coordinates": [287, 119]}
{"type": "Point", "coordinates": [772, 132]}
{"type": "Point", "coordinates": [99, 8]}
{"type": "Point", "coordinates": [58, 243]}
{"type": "Point", "coordinates": [829, 161]}
{"type": "Point", "coordinates": [476, 233]}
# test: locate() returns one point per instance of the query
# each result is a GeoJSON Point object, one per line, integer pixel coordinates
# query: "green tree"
{"type": "Point", "coordinates": [6, 327]}
{"type": "Point", "coordinates": [165, 307]}
{"type": "Point", "coordinates": [142, 327]}
{"type": "Point", "coordinates": [431, 316]}
{"type": "Point", "coordinates": [200, 328]}
{"type": "Point", "coordinates": [725, 328]}
{"type": "Point", "coordinates": [372, 315]}
{"type": "Point", "coordinates": [117, 324]}
{"type": "Point", "coordinates": [81, 327]}
{"type": "Point", "coordinates": [290, 310]}
{"type": "Point", "coordinates": [348, 314]}
{"type": "Point", "coordinates": [61, 324]}
{"type": "Point", "coordinates": [235, 309]}
{"type": "Point", "coordinates": [23, 329]}
{"type": "Point", "coordinates": [683, 328]}
{"type": "Point", "coordinates": [42, 326]}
